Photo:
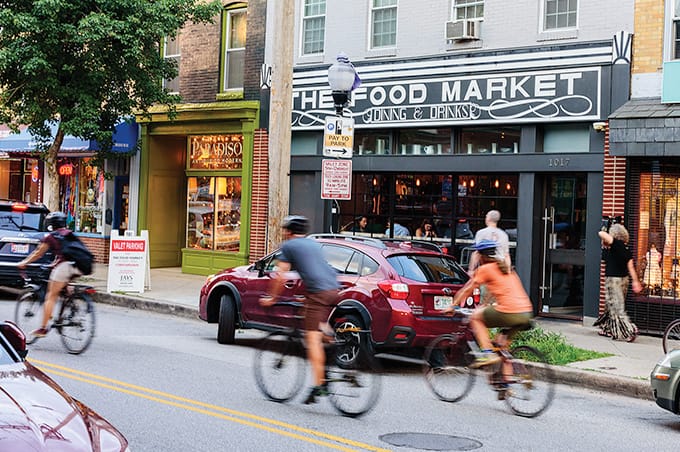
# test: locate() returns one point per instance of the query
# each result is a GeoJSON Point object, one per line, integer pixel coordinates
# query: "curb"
{"type": "Point", "coordinates": [146, 304]}
{"type": "Point", "coordinates": [588, 379]}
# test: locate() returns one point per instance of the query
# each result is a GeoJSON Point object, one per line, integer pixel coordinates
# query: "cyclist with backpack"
{"type": "Point", "coordinates": [64, 268]}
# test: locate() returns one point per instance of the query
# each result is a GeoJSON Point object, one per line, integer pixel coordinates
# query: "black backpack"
{"type": "Point", "coordinates": [75, 250]}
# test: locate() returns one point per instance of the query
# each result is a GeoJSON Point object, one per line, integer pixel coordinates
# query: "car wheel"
{"type": "Point", "coordinates": [347, 350]}
{"type": "Point", "coordinates": [226, 327]}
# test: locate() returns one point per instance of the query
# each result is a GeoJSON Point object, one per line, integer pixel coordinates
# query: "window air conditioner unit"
{"type": "Point", "coordinates": [459, 30]}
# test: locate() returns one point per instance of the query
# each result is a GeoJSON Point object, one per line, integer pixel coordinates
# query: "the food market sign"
{"type": "Point", "coordinates": [564, 94]}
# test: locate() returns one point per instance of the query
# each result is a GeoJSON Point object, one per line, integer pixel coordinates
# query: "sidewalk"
{"type": "Point", "coordinates": [626, 372]}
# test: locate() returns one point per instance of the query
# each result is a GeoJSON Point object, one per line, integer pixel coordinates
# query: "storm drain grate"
{"type": "Point", "coordinates": [430, 441]}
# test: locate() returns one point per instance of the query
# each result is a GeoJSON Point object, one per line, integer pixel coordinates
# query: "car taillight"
{"type": "Point", "coordinates": [475, 295]}
{"type": "Point", "coordinates": [394, 289]}
{"type": "Point", "coordinates": [19, 207]}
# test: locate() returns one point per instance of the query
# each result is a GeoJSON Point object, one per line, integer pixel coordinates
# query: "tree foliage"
{"type": "Point", "coordinates": [84, 64]}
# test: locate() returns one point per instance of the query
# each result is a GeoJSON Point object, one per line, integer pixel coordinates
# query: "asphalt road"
{"type": "Point", "coordinates": [168, 386]}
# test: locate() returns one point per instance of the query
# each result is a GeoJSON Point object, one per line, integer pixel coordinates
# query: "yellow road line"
{"type": "Point", "coordinates": [69, 373]}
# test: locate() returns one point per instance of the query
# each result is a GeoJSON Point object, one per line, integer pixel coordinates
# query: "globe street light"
{"type": "Point", "coordinates": [342, 78]}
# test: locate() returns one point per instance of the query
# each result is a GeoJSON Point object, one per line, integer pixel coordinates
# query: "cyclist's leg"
{"type": "Point", "coordinates": [317, 309]}
{"type": "Point", "coordinates": [59, 278]}
{"type": "Point", "coordinates": [513, 323]}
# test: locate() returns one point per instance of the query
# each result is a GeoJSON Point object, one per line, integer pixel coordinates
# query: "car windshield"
{"type": "Point", "coordinates": [20, 221]}
{"type": "Point", "coordinates": [425, 268]}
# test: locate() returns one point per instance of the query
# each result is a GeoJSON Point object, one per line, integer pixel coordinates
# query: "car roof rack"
{"type": "Point", "coordinates": [422, 244]}
{"type": "Point", "coordinates": [378, 243]}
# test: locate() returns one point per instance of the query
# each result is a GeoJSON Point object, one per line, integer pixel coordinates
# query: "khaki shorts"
{"type": "Point", "coordinates": [64, 272]}
{"type": "Point", "coordinates": [318, 307]}
{"type": "Point", "coordinates": [515, 322]}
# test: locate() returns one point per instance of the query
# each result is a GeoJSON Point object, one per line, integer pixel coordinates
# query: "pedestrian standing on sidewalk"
{"type": "Point", "coordinates": [619, 271]}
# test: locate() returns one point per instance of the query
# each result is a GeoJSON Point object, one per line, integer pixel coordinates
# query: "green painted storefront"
{"type": "Point", "coordinates": [169, 198]}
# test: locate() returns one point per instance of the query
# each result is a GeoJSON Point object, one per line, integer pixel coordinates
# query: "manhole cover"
{"type": "Point", "coordinates": [430, 441]}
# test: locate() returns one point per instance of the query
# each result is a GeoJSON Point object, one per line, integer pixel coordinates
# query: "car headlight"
{"type": "Point", "coordinates": [671, 359]}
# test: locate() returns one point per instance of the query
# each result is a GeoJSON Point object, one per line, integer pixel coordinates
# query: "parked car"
{"type": "Point", "coordinates": [37, 414]}
{"type": "Point", "coordinates": [397, 288]}
{"type": "Point", "coordinates": [665, 380]}
{"type": "Point", "coordinates": [22, 225]}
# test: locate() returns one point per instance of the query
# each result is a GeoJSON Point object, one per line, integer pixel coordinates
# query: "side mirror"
{"type": "Point", "coordinates": [15, 337]}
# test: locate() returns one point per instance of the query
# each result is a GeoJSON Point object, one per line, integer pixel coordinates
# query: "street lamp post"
{"type": "Point", "coordinates": [342, 78]}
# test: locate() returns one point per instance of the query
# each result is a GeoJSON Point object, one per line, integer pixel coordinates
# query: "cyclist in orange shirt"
{"type": "Point", "coordinates": [512, 308]}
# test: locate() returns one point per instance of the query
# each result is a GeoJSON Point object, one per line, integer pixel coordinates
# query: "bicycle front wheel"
{"type": "Point", "coordinates": [671, 336]}
{"type": "Point", "coordinates": [28, 313]}
{"type": "Point", "coordinates": [354, 388]}
{"type": "Point", "coordinates": [280, 367]}
{"type": "Point", "coordinates": [76, 324]}
{"type": "Point", "coordinates": [446, 368]}
{"type": "Point", "coordinates": [531, 387]}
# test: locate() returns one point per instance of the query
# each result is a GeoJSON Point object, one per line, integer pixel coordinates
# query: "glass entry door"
{"type": "Point", "coordinates": [563, 246]}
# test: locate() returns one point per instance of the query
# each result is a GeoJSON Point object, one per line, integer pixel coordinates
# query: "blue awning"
{"type": "Point", "coordinates": [124, 140]}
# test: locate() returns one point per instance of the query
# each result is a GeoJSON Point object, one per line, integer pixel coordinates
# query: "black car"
{"type": "Point", "coordinates": [22, 225]}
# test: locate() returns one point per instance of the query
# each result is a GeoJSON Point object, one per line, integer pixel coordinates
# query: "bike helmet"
{"type": "Point", "coordinates": [485, 247]}
{"type": "Point", "coordinates": [55, 220]}
{"type": "Point", "coordinates": [296, 224]}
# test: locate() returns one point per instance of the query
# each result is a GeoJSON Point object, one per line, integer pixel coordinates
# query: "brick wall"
{"type": "Point", "coordinates": [255, 46]}
{"type": "Point", "coordinates": [648, 39]}
{"type": "Point", "coordinates": [199, 64]}
{"type": "Point", "coordinates": [98, 247]}
{"type": "Point", "coordinates": [613, 194]}
{"type": "Point", "coordinates": [260, 195]}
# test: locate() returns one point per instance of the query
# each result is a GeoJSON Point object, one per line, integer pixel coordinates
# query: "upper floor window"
{"type": "Point", "coordinates": [171, 52]}
{"type": "Point", "coordinates": [559, 14]}
{"type": "Point", "coordinates": [676, 30]}
{"type": "Point", "coordinates": [468, 9]}
{"type": "Point", "coordinates": [234, 49]}
{"type": "Point", "coordinates": [313, 27]}
{"type": "Point", "coordinates": [383, 23]}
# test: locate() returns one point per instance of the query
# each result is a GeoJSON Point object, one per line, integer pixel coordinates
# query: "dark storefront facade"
{"type": "Point", "coordinates": [448, 139]}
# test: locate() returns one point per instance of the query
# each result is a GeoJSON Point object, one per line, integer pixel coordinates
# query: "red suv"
{"type": "Point", "coordinates": [397, 288]}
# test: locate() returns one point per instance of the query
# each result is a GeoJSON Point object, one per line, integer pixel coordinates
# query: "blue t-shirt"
{"type": "Point", "coordinates": [306, 257]}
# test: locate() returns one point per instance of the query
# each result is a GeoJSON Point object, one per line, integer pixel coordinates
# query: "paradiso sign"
{"type": "Point", "coordinates": [564, 94]}
{"type": "Point", "coordinates": [216, 151]}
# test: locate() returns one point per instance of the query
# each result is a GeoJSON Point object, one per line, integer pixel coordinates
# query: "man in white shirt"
{"type": "Point", "coordinates": [494, 233]}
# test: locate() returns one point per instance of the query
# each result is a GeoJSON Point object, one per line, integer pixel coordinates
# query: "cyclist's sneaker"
{"type": "Point", "coordinates": [485, 359]}
{"type": "Point", "coordinates": [40, 332]}
{"type": "Point", "coordinates": [316, 391]}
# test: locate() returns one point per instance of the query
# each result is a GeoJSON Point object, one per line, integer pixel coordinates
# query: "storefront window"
{"type": "Point", "coordinates": [214, 213]}
{"type": "Point", "coordinates": [372, 142]}
{"type": "Point", "coordinates": [425, 141]}
{"type": "Point", "coordinates": [483, 140]}
{"type": "Point", "coordinates": [82, 194]}
{"type": "Point", "coordinates": [566, 138]}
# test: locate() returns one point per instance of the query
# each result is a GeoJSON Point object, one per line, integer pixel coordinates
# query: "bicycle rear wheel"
{"type": "Point", "coordinates": [354, 387]}
{"type": "Point", "coordinates": [28, 313]}
{"type": "Point", "coordinates": [76, 324]}
{"type": "Point", "coordinates": [532, 386]}
{"type": "Point", "coordinates": [671, 336]}
{"type": "Point", "coordinates": [446, 368]}
{"type": "Point", "coordinates": [280, 367]}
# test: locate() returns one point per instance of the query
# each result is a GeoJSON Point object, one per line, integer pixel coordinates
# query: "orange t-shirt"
{"type": "Point", "coordinates": [507, 288]}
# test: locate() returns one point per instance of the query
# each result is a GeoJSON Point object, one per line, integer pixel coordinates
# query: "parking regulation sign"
{"type": "Point", "coordinates": [338, 137]}
{"type": "Point", "coordinates": [336, 179]}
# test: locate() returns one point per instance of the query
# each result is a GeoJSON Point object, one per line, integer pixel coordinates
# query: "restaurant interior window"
{"type": "Point", "coordinates": [372, 142]}
{"type": "Point", "coordinates": [424, 141]}
{"type": "Point", "coordinates": [566, 138]}
{"type": "Point", "coordinates": [214, 213]}
{"type": "Point", "coordinates": [489, 140]}
{"type": "Point", "coordinates": [479, 193]}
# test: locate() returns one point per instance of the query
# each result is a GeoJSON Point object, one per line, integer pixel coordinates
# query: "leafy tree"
{"type": "Point", "coordinates": [84, 65]}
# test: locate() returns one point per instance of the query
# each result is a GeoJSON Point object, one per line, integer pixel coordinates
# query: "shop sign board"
{"type": "Point", "coordinates": [129, 267]}
{"type": "Point", "coordinates": [338, 137]}
{"type": "Point", "coordinates": [336, 179]}
{"type": "Point", "coordinates": [216, 152]}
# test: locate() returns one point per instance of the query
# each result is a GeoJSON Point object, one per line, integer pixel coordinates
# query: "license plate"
{"type": "Point", "coordinates": [19, 248]}
{"type": "Point", "coordinates": [442, 302]}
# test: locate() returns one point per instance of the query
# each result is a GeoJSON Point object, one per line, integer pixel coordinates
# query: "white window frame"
{"type": "Point", "coordinates": [227, 49]}
{"type": "Point", "coordinates": [544, 9]}
{"type": "Point", "coordinates": [674, 37]}
{"type": "Point", "coordinates": [311, 19]}
{"type": "Point", "coordinates": [465, 7]}
{"type": "Point", "coordinates": [371, 36]}
{"type": "Point", "coordinates": [177, 57]}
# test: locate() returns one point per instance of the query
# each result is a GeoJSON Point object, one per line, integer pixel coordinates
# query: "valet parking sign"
{"type": "Point", "coordinates": [129, 267]}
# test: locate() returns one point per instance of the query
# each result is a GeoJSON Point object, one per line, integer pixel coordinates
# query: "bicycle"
{"type": "Point", "coordinates": [353, 386]}
{"type": "Point", "coordinates": [671, 336]}
{"type": "Point", "coordinates": [75, 321]}
{"type": "Point", "coordinates": [447, 372]}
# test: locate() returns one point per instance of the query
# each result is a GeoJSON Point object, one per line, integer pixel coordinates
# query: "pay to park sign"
{"type": "Point", "coordinates": [129, 262]}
